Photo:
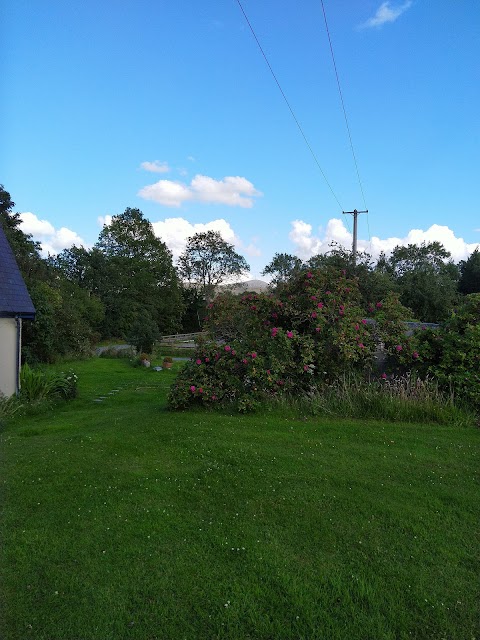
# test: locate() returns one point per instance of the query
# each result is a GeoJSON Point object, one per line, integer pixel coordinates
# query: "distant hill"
{"type": "Point", "coordinates": [250, 285]}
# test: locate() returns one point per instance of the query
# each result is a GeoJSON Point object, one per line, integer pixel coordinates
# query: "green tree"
{"type": "Point", "coordinates": [208, 260]}
{"type": "Point", "coordinates": [134, 274]}
{"type": "Point", "coordinates": [27, 252]}
{"type": "Point", "coordinates": [67, 317]}
{"type": "Point", "coordinates": [426, 277]}
{"type": "Point", "coordinates": [143, 333]}
{"type": "Point", "coordinates": [282, 267]}
{"type": "Point", "coordinates": [469, 281]}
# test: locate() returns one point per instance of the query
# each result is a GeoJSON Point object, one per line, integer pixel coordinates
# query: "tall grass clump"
{"type": "Point", "coordinates": [37, 386]}
{"type": "Point", "coordinates": [8, 406]}
{"type": "Point", "coordinates": [406, 398]}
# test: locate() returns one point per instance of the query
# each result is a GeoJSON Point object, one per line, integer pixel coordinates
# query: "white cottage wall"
{"type": "Point", "coordinates": [9, 356]}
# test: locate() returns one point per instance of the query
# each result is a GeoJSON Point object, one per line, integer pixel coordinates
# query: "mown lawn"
{"type": "Point", "coordinates": [121, 520]}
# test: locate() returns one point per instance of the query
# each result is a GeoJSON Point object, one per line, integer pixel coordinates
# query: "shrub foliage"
{"type": "Point", "coordinates": [451, 353]}
{"type": "Point", "coordinates": [305, 336]}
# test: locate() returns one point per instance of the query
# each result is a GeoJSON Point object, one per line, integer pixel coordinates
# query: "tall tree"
{"type": "Point", "coordinates": [470, 274]}
{"type": "Point", "coordinates": [67, 317]}
{"type": "Point", "coordinates": [282, 267]}
{"type": "Point", "coordinates": [208, 260]}
{"type": "Point", "coordinates": [427, 279]}
{"type": "Point", "coordinates": [27, 252]}
{"type": "Point", "coordinates": [137, 276]}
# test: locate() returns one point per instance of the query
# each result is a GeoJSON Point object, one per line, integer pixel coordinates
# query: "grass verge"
{"type": "Point", "coordinates": [123, 520]}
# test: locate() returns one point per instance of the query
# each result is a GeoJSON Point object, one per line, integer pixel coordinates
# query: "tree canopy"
{"type": "Point", "coordinates": [282, 267]}
{"type": "Point", "coordinates": [470, 274]}
{"type": "Point", "coordinates": [208, 260]}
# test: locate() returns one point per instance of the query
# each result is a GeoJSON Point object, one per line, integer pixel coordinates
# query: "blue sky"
{"type": "Point", "coordinates": [169, 106]}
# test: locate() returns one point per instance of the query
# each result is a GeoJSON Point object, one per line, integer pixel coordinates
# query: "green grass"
{"type": "Point", "coordinates": [122, 520]}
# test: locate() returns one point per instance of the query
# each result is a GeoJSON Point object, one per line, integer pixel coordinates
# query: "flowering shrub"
{"type": "Point", "coordinates": [307, 335]}
{"type": "Point", "coordinates": [451, 353]}
{"type": "Point", "coordinates": [400, 349]}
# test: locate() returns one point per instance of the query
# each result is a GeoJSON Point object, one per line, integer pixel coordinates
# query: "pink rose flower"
{"type": "Point", "coordinates": [207, 359]}
{"type": "Point", "coordinates": [227, 348]}
{"type": "Point", "coordinates": [320, 305]}
{"type": "Point", "coordinates": [289, 334]}
{"type": "Point", "coordinates": [244, 361]}
{"type": "Point", "coordinates": [254, 355]}
{"type": "Point", "coordinates": [361, 345]}
{"type": "Point", "coordinates": [415, 355]}
{"type": "Point", "coordinates": [317, 329]}
{"type": "Point", "coordinates": [200, 390]}
{"type": "Point", "coordinates": [379, 305]}
{"type": "Point", "coordinates": [199, 361]}
{"type": "Point", "coordinates": [192, 388]}
{"type": "Point", "coordinates": [309, 274]}
{"type": "Point", "coordinates": [398, 347]}
{"type": "Point", "coordinates": [384, 376]}
{"type": "Point", "coordinates": [314, 315]}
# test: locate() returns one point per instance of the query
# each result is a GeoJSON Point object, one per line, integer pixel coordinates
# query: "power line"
{"type": "Point", "coordinates": [288, 105]}
{"type": "Point", "coordinates": [343, 105]}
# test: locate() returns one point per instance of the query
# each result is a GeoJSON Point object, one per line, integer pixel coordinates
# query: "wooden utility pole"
{"type": "Point", "coordinates": [354, 213]}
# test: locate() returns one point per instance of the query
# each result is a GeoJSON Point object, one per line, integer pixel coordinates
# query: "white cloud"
{"type": "Point", "coordinates": [308, 245]}
{"type": "Point", "coordinates": [104, 220]}
{"type": "Point", "coordinates": [176, 231]}
{"type": "Point", "coordinates": [386, 13]}
{"type": "Point", "coordinates": [250, 250]}
{"type": "Point", "coordinates": [31, 224]}
{"type": "Point", "coordinates": [52, 240]}
{"type": "Point", "coordinates": [155, 167]}
{"type": "Point", "coordinates": [233, 191]}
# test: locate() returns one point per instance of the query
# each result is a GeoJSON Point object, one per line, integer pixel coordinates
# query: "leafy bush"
{"type": "Point", "coordinates": [305, 337]}
{"type": "Point", "coordinates": [451, 353]}
{"type": "Point", "coordinates": [143, 332]}
{"type": "Point", "coordinates": [37, 386]}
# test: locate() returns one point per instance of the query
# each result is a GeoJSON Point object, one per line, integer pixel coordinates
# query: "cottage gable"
{"type": "Point", "coordinates": [15, 300]}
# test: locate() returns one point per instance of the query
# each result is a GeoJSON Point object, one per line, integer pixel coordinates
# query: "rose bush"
{"type": "Point", "coordinates": [307, 335]}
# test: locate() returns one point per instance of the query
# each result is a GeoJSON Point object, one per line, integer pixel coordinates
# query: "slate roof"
{"type": "Point", "coordinates": [14, 297]}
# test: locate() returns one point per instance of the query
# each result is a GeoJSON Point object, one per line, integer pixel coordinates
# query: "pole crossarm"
{"type": "Point", "coordinates": [355, 215]}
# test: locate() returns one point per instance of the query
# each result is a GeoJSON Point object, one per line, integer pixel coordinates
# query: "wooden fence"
{"type": "Point", "coordinates": [182, 340]}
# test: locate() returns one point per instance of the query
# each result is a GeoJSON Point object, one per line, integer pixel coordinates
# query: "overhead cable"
{"type": "Point", "coordinates": [343, 106]}
{"type": "Point", "coordinates": [288, 105]}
